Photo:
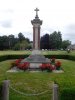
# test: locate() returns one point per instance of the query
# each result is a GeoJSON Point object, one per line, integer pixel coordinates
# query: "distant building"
{"type": "Point", "coordinates": [71, 47]}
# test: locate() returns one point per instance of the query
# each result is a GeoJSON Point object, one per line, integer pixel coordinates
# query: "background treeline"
{"type": "Point", "coordinates": [14, 43]}
{"type": "Point", "coordinates": [54, 41]}
{"type": "Point", "coordinates": [48, 41]}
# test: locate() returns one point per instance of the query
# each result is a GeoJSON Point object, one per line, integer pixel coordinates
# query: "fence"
{"type": "Point", "coordinates": [5, 91]}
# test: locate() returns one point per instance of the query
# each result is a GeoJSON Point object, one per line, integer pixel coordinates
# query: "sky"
{"type": "Point", "coordinates": [57, 15]}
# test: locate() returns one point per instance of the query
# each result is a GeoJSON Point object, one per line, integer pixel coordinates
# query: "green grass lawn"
{"type": "Point", "coordinates": [10, 52]}
{"type": "Point", "coordinates": [28, 82]}
{"type": "Point", "coordinates": [58, 52]}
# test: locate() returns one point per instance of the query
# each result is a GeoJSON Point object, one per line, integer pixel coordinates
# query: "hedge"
{"type": "Point", "coordinates": [6, 57]}
{"type": "Point", "coordinates": [67, 94]}
{"type": "Point", "coordinates": [57, 56]}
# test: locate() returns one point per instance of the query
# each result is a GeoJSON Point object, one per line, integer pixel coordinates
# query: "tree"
{"type": "Point", "coordinates": [65, 44]}
{"type": "Point", "coordinates": [4, 42]}
{"type": "Point", "coordinates": [55, 40]}
{"type": "Point", "coordinates": [11, 40]}
{"type": "Point", "coordinates": [22, 45]}
{"type": "Point", "coordinates": [21, 37]}
{"type": "Point", "coordinates": [44, 43]}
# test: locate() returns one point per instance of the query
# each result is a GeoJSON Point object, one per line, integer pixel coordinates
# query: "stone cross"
{"type": "Point", "coordinates": [36, 11]}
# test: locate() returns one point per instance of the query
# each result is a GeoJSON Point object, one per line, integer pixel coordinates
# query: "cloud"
{"type": "Point", "coordinates": [6, 18]}
{"type": "Point", "coordinates": [6, 24]}
{"type": "Point", "coordinates": [69, 33]}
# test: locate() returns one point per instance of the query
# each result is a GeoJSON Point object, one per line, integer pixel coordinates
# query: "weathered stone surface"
{"type": "Point", "coordinates": [36, 59]}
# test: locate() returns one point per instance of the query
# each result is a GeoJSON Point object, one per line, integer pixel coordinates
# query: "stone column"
{"type": "Point", "coordinates": [36, 36]}
{"type": "Point", "coordinates": [36, 31]}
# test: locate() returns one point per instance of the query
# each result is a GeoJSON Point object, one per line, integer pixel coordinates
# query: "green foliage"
{"type": "Point", "coordinates": [10, 42]}
{"type": "Point", "coordinates": [17, 46]}
{"type": "Point", "coordinates": [65, 44]}
{"type": "Point", "coordinates": [21, 37]}
{"type": "Point", "coordinates": [44, 41]}
{"type": "Point", "coordinates": [71, 57]}
{"type": "Point", "coordinates": [57, 56]}
{"type": "Point", "coordinates": [52, 41]}
{"type": "Point", "coordinates": [5, 57]}
{"type": "Point", "coordinates": [68, 94]}
{"type": "Point", "coordinates": [22, 45]}
{"type": "Point", "coordinates": [55, 40]}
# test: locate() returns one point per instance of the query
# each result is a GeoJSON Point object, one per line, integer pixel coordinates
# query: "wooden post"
{"type": "Point", "coordinates": [55, 92]}
{"type": "Point", "coordinates": [5, 90]}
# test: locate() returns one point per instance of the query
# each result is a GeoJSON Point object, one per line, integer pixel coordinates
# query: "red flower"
{"type": "Point", "coordinates": [23, 66]}
{"type": "Point", "coordinates": [47, 66]}
{"type": "Point", "coordinates": [43, 66]}
{"type": "Point", "coordinates": [58, 64]}
{"type": "Point", "coordinates": [51, 67]}
{"type": "Point", "coordinates": [17, 61]}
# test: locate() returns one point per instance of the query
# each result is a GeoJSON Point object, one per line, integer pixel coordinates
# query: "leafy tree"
{"type": "Point", "coordinates": [22, 45]}
{"type": "Point", "coordinates": [21, 37]}
{"type": "Point", "coordinates": [55, 40]}
{"type": "Point", "coordinates": [4, 44]}
{"type": "Point", "coordinates": [44, 42]}
{"type": "Point", "coordinates": [11, 40]}
{"type": "Point", "coordinates": [65, 44]}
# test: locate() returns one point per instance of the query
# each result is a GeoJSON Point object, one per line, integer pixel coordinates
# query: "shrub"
{"type": "Point", "coordinates": [58, 65]}
{"type": "Point", "coordinates": [17, 61]}
{"type": "Point", "coordinates": [47, 66]}
{"type": "Point", "coordinates": [68, 94]}
{"type": "Point", "coordinates": [23, 66]}
{"type": "Point", "coordinates": [52, 60]}
{"type": "Point", "coordinates": [43, 66]}
{"type": "Point", "coordinates": [50, 67]}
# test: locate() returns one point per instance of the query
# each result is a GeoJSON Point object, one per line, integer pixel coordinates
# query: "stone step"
{"type": "Point", "coordinates": [34, 65]}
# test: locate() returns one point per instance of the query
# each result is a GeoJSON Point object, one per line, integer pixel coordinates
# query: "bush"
{"type": "Point", "coordinates": [58, 65]}
{"type": "Point", "coordinates": [71, 58]}
{"type": "Point", "coordinates": [7, 57]}
{"type": "Point", "coordinates": [57, 56]}
{"type": "Point", "coordinates": [68, 94]}
{"type": "Point", "coordinates": [3, 57]}
{"type": "Point", "coordinates": [23, 66]}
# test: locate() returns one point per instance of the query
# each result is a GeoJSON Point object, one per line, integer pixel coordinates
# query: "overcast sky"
{"type": "Point", "coordinates": [57, 15]}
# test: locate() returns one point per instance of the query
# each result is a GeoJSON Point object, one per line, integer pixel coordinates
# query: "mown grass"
{"type": "Point", "coordinates": [28, 82]}
{"type": "Point", "coordinates": [10, 52]}
{"type": "Point", "coordinates": [57, 52]}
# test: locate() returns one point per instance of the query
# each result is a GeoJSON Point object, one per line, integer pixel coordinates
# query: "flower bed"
{"type": "Point", "coordinates": [53, 65]}
{"type": "Point", "coordinates": [23, 66]}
